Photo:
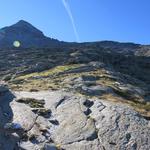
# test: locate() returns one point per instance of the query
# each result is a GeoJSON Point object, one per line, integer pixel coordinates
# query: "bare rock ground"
{"type": "Point", "coordinates": [61, 120]}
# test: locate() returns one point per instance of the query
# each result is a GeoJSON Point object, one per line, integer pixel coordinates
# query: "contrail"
{"type": "Point", "coordinates": [67, 7]}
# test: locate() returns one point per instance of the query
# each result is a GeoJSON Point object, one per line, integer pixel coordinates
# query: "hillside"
{"type": "Point", "coordinates": [60, 95]}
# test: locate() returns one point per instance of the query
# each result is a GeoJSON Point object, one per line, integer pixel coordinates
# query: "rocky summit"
{"type": "Point", "coordinates": [72, 96]}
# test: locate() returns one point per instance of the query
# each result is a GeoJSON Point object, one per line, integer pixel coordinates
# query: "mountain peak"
{"type": "Point", "coordinates": [27, 34]}
{"type": "Point", "coordinates": [23, 22]}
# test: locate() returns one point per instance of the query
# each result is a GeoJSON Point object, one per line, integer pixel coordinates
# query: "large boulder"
{"type": "Point", "coordinates": [119, 127]}
{"type": "Point", "coordinates": [8, 138]}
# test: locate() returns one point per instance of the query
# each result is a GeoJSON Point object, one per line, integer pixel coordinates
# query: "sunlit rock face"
{"type": "Point", "coordinates": [26, 34]}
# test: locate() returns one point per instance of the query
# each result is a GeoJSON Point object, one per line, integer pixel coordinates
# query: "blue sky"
{"type": "Point", "coordinates": [95, 20]}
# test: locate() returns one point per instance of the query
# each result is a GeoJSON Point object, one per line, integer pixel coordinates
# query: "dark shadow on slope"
{"type": "Point", "coordinates": [8, 141]}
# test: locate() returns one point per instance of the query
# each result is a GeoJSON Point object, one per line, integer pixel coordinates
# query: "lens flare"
{"type": "Point", "coordinates": [16, 44]}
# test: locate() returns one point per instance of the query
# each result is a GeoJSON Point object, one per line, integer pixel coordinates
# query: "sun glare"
{"type": "Point", "coordinates": [16, 44]}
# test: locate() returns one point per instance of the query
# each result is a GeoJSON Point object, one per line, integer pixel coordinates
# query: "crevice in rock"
{"type": "Point", "coordinates": [95, 133]}
{"type": "Point", "coordinates": [33, 124]}
{"type": "Point", "coordinates": [93, 136]}
{"type": "Point", "coordinates": [101, 107]}
{"type": "Point", "coordinates": [54, 122]}
{"type": "Point", "coordinates": [117, 121]}
{"type": "Point", "coordinates": [24, 136]}
{"type": "Point", "coordinates": [128, 136]}
{"type": "Point", "coordinates": [33, 139]}
{"type": "Point", "coordinates": [97, 137]}
{"type": "Point", "coordinates": [87, 112]}
{"type": "Point", "coordinates": [60, 102]}
{"type": "Point", "coordinates": [68, 143]}
{"type": "Point", "coordinates": [88, 103]}
{"type": "Point", "coordinates": [112, 143]}
{"type": "Point", "coordinates": [46, 113]}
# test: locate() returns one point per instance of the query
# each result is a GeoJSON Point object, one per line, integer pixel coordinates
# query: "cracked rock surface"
{"type": "Point", "coordinates": [70, 122]}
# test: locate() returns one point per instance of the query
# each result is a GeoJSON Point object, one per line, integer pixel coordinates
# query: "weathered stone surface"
{"type": "Point", "coordinates": [30, 146]}
{"type": "Point", "coordinates": [23, 115]}
{"type": "Point", "coordinates": [43, 123]}
{"type": "Point", "coordinates": [76, 123]}
{"type": "Point", "coordinates": [73, 122]}
{"type": "Point", "coordinates": [119, 127]}
{"type": "Point", "coordinates": [84, 145]}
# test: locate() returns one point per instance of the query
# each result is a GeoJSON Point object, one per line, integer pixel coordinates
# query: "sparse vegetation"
{"type": "Point", "coordinates": [32, 102]}
{"type": "Point", "coordinates": [52, 72]}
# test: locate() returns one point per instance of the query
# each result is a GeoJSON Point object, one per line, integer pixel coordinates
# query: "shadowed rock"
{"type": "Point", "coordinates": [8, 141]}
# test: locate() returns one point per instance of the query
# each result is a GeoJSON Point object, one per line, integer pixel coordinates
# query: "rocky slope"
{"type": "Point", "coordinates": [72, 96]}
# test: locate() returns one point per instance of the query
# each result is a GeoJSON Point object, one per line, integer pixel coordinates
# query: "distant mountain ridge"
{"type": "Point", "coordinates": [26, 34]}
{"type": "Point", "coordinates": [31, 37]}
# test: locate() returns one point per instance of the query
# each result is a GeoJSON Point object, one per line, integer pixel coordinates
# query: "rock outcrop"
{"type": "Point", "coordinates": [72, 122]}
{"type": "Point", "coordinates": [8, 137]}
